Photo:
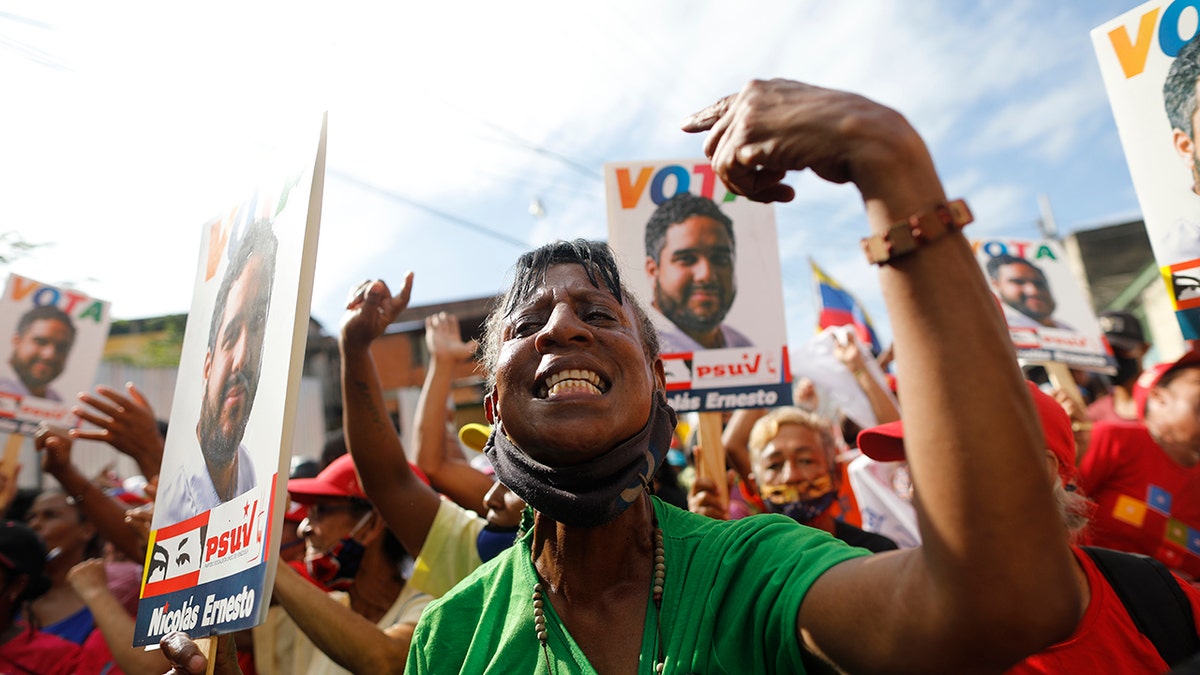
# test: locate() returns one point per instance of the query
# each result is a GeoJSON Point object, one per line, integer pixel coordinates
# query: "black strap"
{"type": "Point", "coordinates": [1152, 596]}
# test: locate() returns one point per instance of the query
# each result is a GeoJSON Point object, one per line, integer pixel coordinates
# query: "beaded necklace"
{"type": "Point", "coordinates": [660, 577]}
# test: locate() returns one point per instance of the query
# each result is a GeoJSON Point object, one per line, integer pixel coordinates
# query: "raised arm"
{"type": "Point", "coordinates": [407, 504]}
{"type": "Point", "coordinates": [992, 582]}
{"type": "Point", "coordinates": [437, 451]}
{"type": "Point", "coordinates": [91, 585]}
{"type": "Point", "coordinates": [350, 640]}
{"type": "Point", "coordinates": [850, 353]}
{"type": "Point", "coordinates": [124, 421]}
{"type": "Point", "coordinates": [106, 513]}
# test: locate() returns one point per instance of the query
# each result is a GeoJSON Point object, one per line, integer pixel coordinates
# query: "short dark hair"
{"type": "Point", "coordinates": [257, 242]}
{"type": "Point", "coordinates": [44, 313]}
{"type": "Point", "coordinates": [597, 262]}
{"type": "Point", "coordinates": [998, 261]}
{"type": "Point", "coordinates": [1179, 87]}
{"type": "Point", "coordinates": [676, 210]}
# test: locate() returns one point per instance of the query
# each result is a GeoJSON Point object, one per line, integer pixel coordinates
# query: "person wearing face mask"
{"type": "Point", "coordinates": [608, 579]}
{"type": "Point", "coordinates": [1128, 341]}
{"type": "Point", "coordinates": [794, 458]}
{"type": "Point", "coordinates": [364, 622]}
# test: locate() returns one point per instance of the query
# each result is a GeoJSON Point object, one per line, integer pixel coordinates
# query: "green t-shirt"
{"type": "Point", "coordinates": [733, 592]}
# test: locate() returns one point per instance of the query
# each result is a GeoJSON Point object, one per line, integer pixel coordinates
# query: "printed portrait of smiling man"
{"type": "Point", "coordinates": [40, 347]}
{"type": "Point", "coordinates": [690, 259]}
{"type": "Point", "coordinates": [232, 364]}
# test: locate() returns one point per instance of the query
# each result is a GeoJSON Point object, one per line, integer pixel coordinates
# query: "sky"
{"type": "Point", "coordinates": [127, 125]}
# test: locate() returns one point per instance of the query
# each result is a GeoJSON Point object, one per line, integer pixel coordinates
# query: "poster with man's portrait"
{"type": "Point", "coordinates": [1150, 60]}
{"type": "Point", "coordinates": [55, 338]}
{"type": "Point", "coordinates": [222, 489]}
{"type": "Point", "coordinates": [1048, 316]}
{"type": "Point", "coordinates": [704, 263]}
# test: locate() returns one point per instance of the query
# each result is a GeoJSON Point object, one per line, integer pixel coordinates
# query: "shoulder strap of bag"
{"type": "Point", "coordinates": [1152, 596]}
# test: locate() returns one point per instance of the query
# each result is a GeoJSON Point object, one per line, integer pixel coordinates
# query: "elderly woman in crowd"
{"type": "Point", "coordinates": [607, 579]}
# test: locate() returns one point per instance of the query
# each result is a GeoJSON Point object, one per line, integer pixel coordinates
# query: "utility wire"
{"type": "Point", "coordinates": [463, 222]}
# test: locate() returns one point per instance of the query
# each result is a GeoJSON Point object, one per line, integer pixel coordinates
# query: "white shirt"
{"type": "Point", "coordinates": [672, 340]}
{"type": "Point", "coordinates": [10, 383]}
{"type": "Point", "coordinates": [191, 492]}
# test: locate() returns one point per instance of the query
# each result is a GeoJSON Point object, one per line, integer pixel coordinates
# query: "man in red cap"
{"type": "Point", "coordinates": [365, 622]}
{"type": "Point", "coordinates": [1144, 477]}
{"type": "Point", "coordinates": [1106, 638]}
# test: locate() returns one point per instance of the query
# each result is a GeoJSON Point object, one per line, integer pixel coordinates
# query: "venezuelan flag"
{"type": "Point", "coordinates": [837, 307]}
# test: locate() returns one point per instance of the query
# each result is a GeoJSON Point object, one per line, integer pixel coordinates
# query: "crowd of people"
{"type": "Point", "coordinates": [562, 542]}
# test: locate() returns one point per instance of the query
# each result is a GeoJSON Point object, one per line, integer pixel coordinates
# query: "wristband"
{"type": "Point", "coordinates": [917, 230]}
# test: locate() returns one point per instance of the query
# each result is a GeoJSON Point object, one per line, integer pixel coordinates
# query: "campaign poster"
{"type": "Point", "coordinates": [1048, 316]}
{"type": "Point", "coordinates": [56, 339]}
{"type": "Point", "coordinates": [1149, 59]}
{"type": "Point", "coordinates": [704, 262]}
{"type": "Point", "coordinates": [218, 515]}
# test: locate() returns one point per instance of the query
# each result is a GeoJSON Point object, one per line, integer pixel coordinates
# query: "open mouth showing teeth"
{"type": "Point", "coordinates": [567, 380]}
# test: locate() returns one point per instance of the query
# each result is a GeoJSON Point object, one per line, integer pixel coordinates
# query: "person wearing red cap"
{"type": "Point", "coordinates": [1106, 638]}
{"type": "Point", "coordinates": [1145, 477]}
{"type": "Point", "coordinates": [365, 621]}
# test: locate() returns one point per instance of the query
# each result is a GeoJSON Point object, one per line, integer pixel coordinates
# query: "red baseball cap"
{"type": "Point", "coordinates": [339, 479]}
{"type": "Point", "coordinates": [885, 443]}
{"type": "Point", "coordinates": [1150, 378]}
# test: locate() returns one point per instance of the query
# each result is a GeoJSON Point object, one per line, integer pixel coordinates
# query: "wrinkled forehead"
{"type": "Point", "coordinates": [533, 284]}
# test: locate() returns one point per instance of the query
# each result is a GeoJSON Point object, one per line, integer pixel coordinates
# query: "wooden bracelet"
{"type": "Point", "coordinates": [917, 230]}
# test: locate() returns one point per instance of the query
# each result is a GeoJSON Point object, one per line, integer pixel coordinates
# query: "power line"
{"type": "Point", "coordinates": [463, 222]}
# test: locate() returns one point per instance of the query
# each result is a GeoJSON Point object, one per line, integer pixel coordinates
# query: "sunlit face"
{"type": "Point", "coordinates": [59, 524]}
{"type": "Point", "coordinates": [231, 367]}
{"type": "Point", "coordinates": [40, 353]}
{"type": "Point", "coordinates": [1173, 415]}
{"type": "Point", "coordinates": [694, 284]}
{"type": "Point", "coordinates": [504, 508]}
{"type": "Point", "coordinates": [572, 378]}
{"type": "Point", "coordinates": [1024, 288]}
{"type": "Point", "coordinates": [796, 458]}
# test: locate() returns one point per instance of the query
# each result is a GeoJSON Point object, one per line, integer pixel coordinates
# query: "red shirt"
{"type": "Point", "coordinates": [1105, 641]}
{"type": "Point", "coordinates": [1146, 503]}
{"type": "Point", "coordinates": [40, 653]}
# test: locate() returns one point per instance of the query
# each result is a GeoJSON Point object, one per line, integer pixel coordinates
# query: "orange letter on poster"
{"type": "Point", "coordinates": [20, 290]}
{"type": "Point", "coordinates": [1133, 55]}
{"type": "Point", "coordinates": [632, 192]}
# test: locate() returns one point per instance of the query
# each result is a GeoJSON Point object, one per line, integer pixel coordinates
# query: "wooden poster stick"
{"type": "Point", "coordinates": [208, 647]}
{"type": "Point", "coordinates": [12, 452]}
{"type": "Point", "coordinates": [712, 459]}
{"type": "Point", "coordinates": [1061, 378]}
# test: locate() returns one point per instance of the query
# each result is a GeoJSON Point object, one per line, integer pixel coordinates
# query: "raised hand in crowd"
{"type": "Point", "coordinates": [436, 440]}
{"type": "Point", "coordinates": [407, 504]}
{"type": "Point", "coordinates": [849, 350]}
{"type": "Point", "coordinates": [124, 421]}
{"type": "Point", "coordinates": [90, 583]}
{"type": "Point", "coordinates": [106, 513]}
{"type": "Point", "coordinates": [975, 446]}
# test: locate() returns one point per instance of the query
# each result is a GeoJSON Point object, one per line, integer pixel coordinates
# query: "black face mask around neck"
{"type": "Point", "coordinates": [592, 493]}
